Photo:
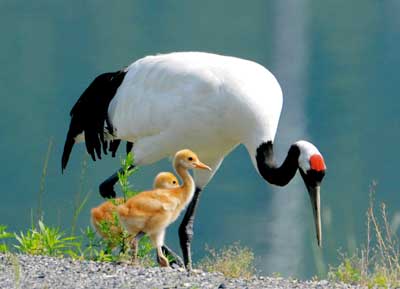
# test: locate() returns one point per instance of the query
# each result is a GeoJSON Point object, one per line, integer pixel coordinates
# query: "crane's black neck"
{"type": "Point", "coordinates": [267, 167]}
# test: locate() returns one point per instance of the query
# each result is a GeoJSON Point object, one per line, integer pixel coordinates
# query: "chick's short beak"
{"type": "Point", "coordinates": [200, 165]}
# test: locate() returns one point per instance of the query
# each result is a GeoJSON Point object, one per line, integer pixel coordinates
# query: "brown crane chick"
{"type": "Point", "coordinates": [151, 212]}
{"type": "Point", "coordinates": [106, 213]}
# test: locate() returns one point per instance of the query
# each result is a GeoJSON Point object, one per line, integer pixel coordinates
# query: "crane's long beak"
{"type": "Point", "coordinates": [200, 165]}
{"type": "Point", "coordinates": [314, 193]}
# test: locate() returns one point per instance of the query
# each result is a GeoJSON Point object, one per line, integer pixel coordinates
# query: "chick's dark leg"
{"type": "Point", "coordinates": [135, 246]}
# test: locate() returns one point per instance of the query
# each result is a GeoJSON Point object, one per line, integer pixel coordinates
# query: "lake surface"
{"type": "Point", "coordinates": [337, 64]}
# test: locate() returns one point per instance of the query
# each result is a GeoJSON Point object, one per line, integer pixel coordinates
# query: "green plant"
{"type": "Point", "coordinates": [348, 271]}
{"type": "Point", "coordinates": [123, 176]}
{"type": "Point", "coordinates": [112, 239]}
{"type": "Point", "coordinates": [233, 261]}
{"type": "Point", "coordinates": [145, 253]}
{"type": "Point", "coordinates": [378, 263]}
{"type": "Point", "coordinates": [90, 247]}
{"type": "Point", "coordinates": [45, 241]}
{"type": "Point", "coordinates": [4, 235]}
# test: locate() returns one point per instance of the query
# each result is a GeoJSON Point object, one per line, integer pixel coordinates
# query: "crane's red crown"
{"type": "Point", "coordinates": [317, 163]}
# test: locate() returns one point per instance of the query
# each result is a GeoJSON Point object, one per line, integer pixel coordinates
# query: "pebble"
{"type": "Point", "coordinates": [36, 272]}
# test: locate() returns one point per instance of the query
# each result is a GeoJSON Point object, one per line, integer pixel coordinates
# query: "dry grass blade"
{"type": "Point", "coordinates": [233, 261]}
{"type": "Point", "coordinates": [377, 264]}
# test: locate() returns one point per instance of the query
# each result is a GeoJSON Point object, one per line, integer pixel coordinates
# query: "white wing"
{"type": "Point", "coordinates": [193, 100]}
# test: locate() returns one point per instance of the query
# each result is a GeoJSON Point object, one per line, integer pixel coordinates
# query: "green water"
{"type": "Point", "coordinates": [337, 63]}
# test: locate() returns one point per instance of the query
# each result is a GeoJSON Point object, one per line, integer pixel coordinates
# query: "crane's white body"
{"type": "Point", "coordinates": [205, 102]}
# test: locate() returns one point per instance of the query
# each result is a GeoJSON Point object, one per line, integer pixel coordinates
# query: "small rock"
{"type": "Point", "coordinates": [175, 266]}
{"type": "Point", "coordinates": [222, 286]}
{"type": "Point", "coordinates": [323, 282]}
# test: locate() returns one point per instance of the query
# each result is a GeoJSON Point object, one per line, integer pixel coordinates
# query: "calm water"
{"type": "Point", "coordinates": [338, 67]}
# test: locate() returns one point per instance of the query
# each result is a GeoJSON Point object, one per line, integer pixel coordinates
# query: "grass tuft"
{"type": "Point", "coordinates": [378, 263]}
{"type": "Point", "coordinates": [4, 235]}
{"type": "Point", "coordinates": [233, 261]}
{"type": "Point", "coordinates": [45, 240]}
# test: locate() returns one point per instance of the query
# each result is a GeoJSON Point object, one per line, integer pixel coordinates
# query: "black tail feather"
{"type": "Point", "coordinates": [69, 143]}
{"type": "Point", "coordinates": [90, 114]}
{"type": "Point", "coordinates": [75, 129]}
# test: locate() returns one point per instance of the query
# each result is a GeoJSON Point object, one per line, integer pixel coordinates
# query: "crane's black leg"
{"type": "Point", "coordinates": [186, 229]}
{"type": "Point", "coordinates": [106, 188]}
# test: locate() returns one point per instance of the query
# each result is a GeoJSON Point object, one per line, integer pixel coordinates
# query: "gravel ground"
{"type": "Point", "coordinates": [22, 271]}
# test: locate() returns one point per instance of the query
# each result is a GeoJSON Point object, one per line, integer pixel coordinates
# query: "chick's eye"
{"type": "Point", "coordinates": [174, 182]}
{"type": "Point", "coordinates": [190, 158]}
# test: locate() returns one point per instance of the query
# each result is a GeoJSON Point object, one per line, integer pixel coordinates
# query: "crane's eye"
{"type": "Point", "coordinates": [190, 158]}
{"type": "Point", "coordinates": [174, 182]}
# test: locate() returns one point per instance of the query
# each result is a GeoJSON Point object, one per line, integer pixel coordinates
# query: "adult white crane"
{"type": "Point", "coordinates": [206, 102]}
